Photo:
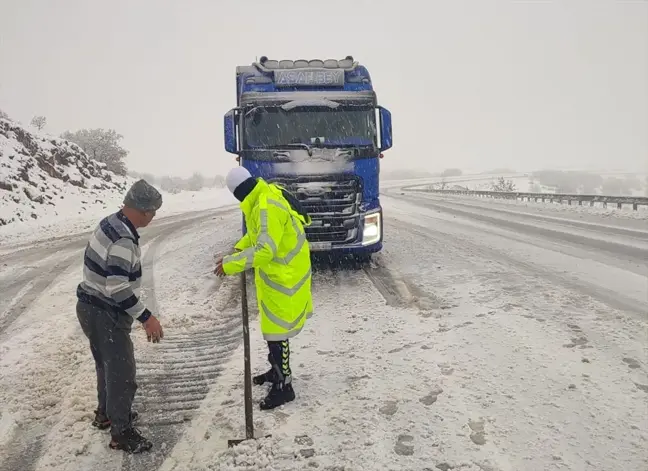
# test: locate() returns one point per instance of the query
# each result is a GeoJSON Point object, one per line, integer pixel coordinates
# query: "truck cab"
{"type": "Point", "coordinates": [315, 128]}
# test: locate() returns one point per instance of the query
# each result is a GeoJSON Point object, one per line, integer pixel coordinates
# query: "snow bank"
{"type": "Point", "coordinates": [50, 188]}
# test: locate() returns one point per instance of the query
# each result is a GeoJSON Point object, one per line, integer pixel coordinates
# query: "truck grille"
{"type": "Point", "coordinates": [333, 203]}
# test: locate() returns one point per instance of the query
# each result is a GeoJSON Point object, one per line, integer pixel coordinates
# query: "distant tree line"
{"type": "Point", "coordinates": [195, 182]}
{"type": "Point", "coordinates": [451, 172]}
{"type": "Point", "coordinates": [103, 145]}
{"type": "Point", "coordinates": [577, 182]}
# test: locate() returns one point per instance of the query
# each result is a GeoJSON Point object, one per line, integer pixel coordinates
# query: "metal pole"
{"type": "Point", "coordinates": [249, 423]}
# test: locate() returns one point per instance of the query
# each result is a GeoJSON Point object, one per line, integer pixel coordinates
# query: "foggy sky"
{"type": "Point", "coordinates": [472, 84]}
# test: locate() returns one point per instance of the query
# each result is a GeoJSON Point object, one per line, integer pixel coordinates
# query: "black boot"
{"type": "Point", "coordinates": [130, 441]}
{"type": "Point", "coordinates": [102, 422]}
{"type": "Point", "coordinates": [267, 377]}
{"type": "Point", "coordinates": [279, 394]}
{"type": "Point", "coordinates": [281, 376]}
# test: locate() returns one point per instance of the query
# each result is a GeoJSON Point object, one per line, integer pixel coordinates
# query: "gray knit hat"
{"type": "Point", "coordinates": [143, 197]}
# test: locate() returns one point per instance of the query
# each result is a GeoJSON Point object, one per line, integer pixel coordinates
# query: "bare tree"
{"type": "Point", "coordinates": [102, 146]}
{"type": "Point", "coordinates": [196, 182]}
{"type": "Point", "coordinates": [440, 185]}
{"type": "Point", "coordinates": [39, 122]}
{"type": "Point", "coordinates": [3, 115]}
{"type": "Point", "coordinates": [217, 182]}
{"type": "Point", "coordinates": [171, 184]}
{"type": "Point", "coordinates": [503, 186]}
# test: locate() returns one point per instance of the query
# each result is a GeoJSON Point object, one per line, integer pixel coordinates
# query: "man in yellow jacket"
{"type": "Point", "coordinates": [275, 246]}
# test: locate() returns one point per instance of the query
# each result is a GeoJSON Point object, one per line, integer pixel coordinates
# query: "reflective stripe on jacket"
{"type": "Point", "coordinates": [275, 246]}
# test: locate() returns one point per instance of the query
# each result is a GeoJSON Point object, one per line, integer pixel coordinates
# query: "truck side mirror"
{"type": "Point", "coordinates": [230, 131]}
{"type": "Point", "coordinates": [385, 129]}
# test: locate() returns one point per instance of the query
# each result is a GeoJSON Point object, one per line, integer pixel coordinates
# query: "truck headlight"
{"type": "Point", "coordinates": [371, 232]}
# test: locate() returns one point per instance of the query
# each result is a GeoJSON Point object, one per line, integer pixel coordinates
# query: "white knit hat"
{"type": "Point", "coordinates": [236, 176]}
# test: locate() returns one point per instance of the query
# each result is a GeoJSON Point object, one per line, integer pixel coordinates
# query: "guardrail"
{"type": "Point", "coordinates": [635, 201]}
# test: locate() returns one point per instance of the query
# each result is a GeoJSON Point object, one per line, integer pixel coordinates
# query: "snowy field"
{"type": "Point", "coordinates": [573, 210]}
{"type": "Point", "coordinates": [486, 336]}
{"type": "Point", "coordinates": [470, 181]}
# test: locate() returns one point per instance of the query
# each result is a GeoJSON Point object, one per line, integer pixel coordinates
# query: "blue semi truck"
{"type": "Point", "coordinates": [315, 127]}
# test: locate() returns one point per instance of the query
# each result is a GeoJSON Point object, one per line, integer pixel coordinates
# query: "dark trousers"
{"type": "Point", "coordinates": [279, 358]}
{"type": "Point", "coordinates": [112, 350]}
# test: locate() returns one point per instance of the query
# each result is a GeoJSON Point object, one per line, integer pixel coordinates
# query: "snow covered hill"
{"type": "Point", "coordinates": [44, 177]}
{"type": "Point", "coordinates": [50, 188]}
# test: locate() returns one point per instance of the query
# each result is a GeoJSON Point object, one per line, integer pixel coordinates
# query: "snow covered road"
{"type": "Point", "coordinates": [606, 262]}
{"type": "Point", "coordinates": [44, 374]}
{"type": "Point", "coordinates": [483, 337]}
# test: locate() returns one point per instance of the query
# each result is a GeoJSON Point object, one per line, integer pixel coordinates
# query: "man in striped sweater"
{"type": "Point", "coordinates": [108, 303]}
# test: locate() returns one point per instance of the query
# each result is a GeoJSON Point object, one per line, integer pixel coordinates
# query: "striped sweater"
{"type": "Point", "coordinates": [112, 270]}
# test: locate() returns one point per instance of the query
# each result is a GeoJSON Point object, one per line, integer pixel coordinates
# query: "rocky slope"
{"type": "Point", "coordinates": [44, 177]}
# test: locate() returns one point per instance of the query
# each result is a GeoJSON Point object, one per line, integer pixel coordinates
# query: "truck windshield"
{"type": "Point", "coordinates": [273, 127]}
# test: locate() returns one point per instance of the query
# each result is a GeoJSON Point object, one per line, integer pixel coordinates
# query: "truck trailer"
{"type": "Point", "coordinates": [315, 128]}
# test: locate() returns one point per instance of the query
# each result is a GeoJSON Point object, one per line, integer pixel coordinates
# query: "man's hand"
{"type": "Point", "coordinates": [219, 269]}
{"type": "Point", "coordinates": [153, 329]}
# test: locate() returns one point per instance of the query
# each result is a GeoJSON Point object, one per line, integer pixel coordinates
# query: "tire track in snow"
{"type": "Point", "coordinates": [397, 290]}
{"type": "Point", "coordinates": [175, 380]}
{"type": "Point", "coordinates": [27, 288]}
{"type": "Point", "coordinates": [393, 289]}
{"type": "Point", "coordinates": [23, 450]}
{"type": "Point", "coordinates": [27, 444]}
{"type": "Point", "coordinates": [15, 297]}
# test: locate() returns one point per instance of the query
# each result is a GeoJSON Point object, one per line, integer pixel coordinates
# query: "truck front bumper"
{"type": "Point", "coordinates": [369, 240]}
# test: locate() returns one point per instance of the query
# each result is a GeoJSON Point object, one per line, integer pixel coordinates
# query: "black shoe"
{"type": "Point", "coordinates": [278, 395]}
{"type": "Point", "coordinates": [130, 441]}
{"type": "Point", "coordinates": [267, 377]}
{"type": "Point", "coordinates": [102, 422]}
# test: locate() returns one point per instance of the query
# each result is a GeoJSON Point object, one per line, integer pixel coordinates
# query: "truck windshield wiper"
{"type": "Point", "coordinates": [293, 146]}
{"type": "Point", "coordinates": [330, 145]}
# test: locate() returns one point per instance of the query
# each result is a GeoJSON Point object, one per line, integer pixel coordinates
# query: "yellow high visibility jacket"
{"type": "Point", "coordinates": [275, 246]}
